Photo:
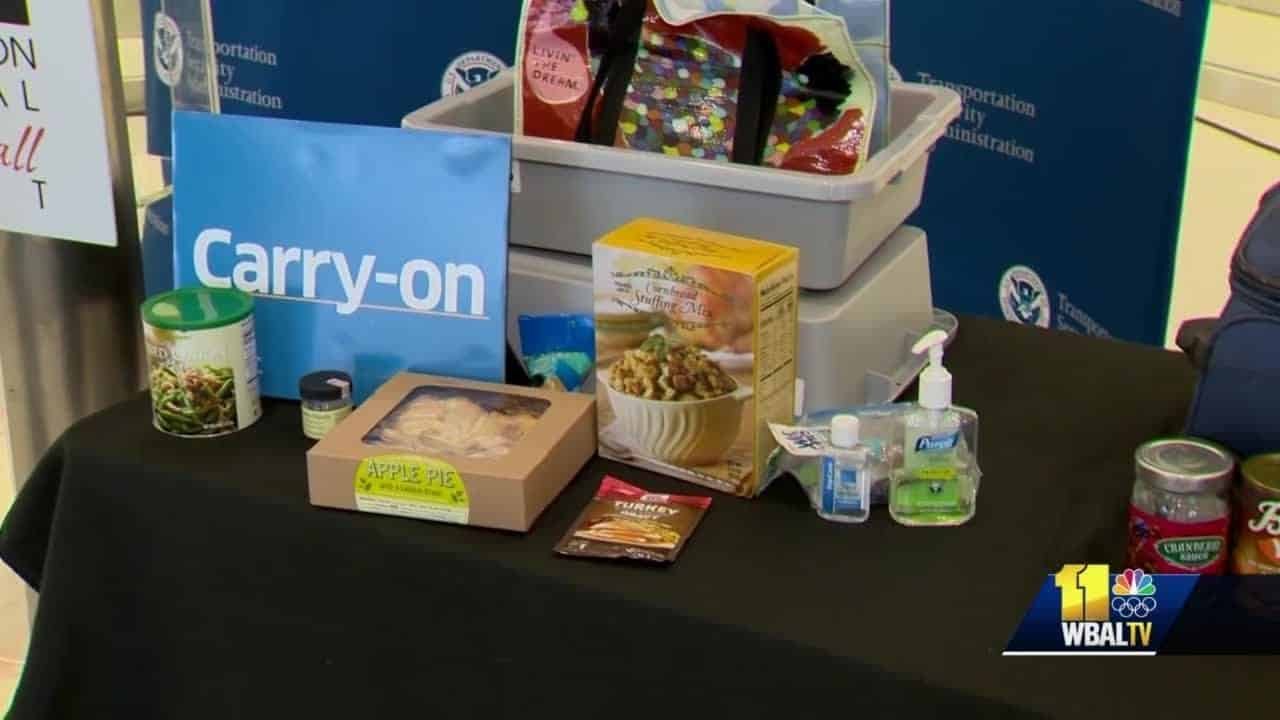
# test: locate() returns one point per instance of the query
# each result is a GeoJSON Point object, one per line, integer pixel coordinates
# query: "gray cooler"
{"type": "Point", "coordinates": [854, 344]}
{"type": "Point", "coordinates": [567, 195]}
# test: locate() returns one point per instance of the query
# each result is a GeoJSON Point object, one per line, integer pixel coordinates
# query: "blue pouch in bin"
{"type": "Point", "coordinates": [559, 350]}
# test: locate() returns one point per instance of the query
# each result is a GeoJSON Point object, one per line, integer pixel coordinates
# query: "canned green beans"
{"type": "Point", "coordinates": [202, 359]}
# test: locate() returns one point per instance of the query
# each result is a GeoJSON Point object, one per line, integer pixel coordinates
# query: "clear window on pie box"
{"type": "Point", "coordinates": [460, 422]}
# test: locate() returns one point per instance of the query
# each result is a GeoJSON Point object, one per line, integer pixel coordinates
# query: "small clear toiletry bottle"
{"type": "Point", "coordinates": [934, 487]}
{"type": "Point", "coordinates": [844, 493]}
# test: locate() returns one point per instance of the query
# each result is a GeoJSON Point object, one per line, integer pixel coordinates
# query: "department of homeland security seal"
{"type": "Point", "coordinates": [1024, 297]}
{"type": "Point", "coordinates": [469, 70]}
{"type": "Point", "coordinates": [167, 49]}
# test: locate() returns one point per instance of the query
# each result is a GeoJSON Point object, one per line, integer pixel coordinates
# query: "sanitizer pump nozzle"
{"type": "Point", "coordinates": [935, 381]}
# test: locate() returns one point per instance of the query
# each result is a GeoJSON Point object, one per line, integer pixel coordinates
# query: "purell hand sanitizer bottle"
{"type": "Point", "coordinates": [933, 486]}
{"type": "Point", "coordinates": [844, 494]}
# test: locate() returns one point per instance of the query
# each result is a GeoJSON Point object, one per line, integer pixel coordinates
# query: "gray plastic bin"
{"type": "Point", "coordinates": [567, 195]}
{"type": "Point", "coordinates": [854, 345]}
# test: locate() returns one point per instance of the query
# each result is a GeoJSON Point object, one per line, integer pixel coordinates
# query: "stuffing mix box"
{"type": "Point", "coordinates": [696, 342]}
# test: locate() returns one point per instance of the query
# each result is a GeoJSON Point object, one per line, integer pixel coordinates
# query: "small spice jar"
{"type": "Point", "coordinates": [326, 400]}
{"type": "Point", "coordinates": [1180, 514]}
{"type": "Point", "coordinates": [1258, 534]}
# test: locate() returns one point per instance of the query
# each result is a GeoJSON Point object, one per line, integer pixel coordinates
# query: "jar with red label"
{"type": "Point", "coordinates": [1180, 514]}
{"type": "Point", "coordinates": [1258, 534]}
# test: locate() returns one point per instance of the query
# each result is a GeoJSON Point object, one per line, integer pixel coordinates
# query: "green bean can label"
{"type": "Point", "coordinates": [204, 383]}
{"type": "Point", "coordinates": [412, 486]}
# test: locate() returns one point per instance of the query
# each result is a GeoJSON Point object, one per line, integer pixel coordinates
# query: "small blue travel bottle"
{"type": "Point", "coordinates": [844, 494]}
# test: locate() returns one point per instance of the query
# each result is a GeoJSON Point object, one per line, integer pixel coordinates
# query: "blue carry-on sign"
{"type": "Point", "coordinates": [368, 250]}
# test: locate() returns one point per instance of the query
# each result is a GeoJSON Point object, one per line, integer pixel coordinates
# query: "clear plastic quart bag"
{"type": "Point", "coordinates": [803, 443]}
{"type": "Point", "coordinates": [697, 79]}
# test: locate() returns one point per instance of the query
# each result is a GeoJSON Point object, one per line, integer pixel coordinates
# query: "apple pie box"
{"type": "Point", "coordinates": [455, 451]}
{"type": "Point", "coordinates": [696, 349]}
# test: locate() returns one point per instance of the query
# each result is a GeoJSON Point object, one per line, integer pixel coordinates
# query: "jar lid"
{"type": "Point", "coordinates": [325, 386]}
{"type": "Point", "coordinates": [1185, 465]}
{"type": "Point", "coordinates": [197, 308]}
{"type": "Point", "coordinates": [1263, 473]}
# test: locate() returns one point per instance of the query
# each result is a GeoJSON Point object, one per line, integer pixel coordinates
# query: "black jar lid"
{"type": "Point", "coordinates": [325, 386]}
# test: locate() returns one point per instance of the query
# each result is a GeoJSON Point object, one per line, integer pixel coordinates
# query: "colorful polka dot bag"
{"type": "Point", "coordinates": [748, 88]}
{"type": "Point", "coordinates": [682, 99]}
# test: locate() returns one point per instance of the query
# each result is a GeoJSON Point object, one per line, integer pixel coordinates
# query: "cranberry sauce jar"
{"type": "Point", "coordinates": [1180, 512]}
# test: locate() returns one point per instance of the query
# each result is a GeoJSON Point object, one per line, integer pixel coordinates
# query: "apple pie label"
{"type": "Point", "coordinates": [412, 486]}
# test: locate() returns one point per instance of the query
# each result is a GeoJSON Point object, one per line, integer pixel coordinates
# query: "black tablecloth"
{"type": "Point", "coordinates": [192, 579]}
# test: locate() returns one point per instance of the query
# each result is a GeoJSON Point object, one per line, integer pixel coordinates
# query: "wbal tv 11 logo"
{"type": "Point", "coordinates": [1091, 602]}
{"type": "Point", "coordinates": [1085, 610]}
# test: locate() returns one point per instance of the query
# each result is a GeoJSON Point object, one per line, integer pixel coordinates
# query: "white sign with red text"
{"type": "Point", "coordinates": [55, 177]}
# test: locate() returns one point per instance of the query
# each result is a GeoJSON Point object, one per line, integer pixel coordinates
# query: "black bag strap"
{"type": "Point", "coordinates": [614, 75]}
{"type": "Point", "coordinates": [758, 88]}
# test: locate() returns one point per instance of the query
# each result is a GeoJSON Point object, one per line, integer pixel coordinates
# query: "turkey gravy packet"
{"type": "Point", "coordinates": [626, 522]}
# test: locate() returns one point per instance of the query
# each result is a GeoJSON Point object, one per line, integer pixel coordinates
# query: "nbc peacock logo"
{"type": "Point", "coordinates": [14, 12]}
{"type": "Point", "coordinates": [1133, 595]}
